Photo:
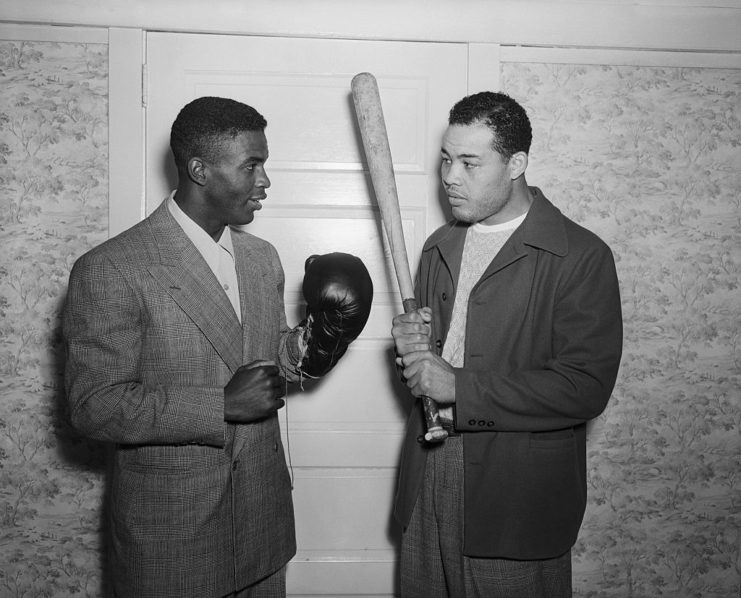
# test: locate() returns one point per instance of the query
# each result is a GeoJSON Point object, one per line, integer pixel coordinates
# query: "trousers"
{"type": "Point", "coordinates": [432, 561]}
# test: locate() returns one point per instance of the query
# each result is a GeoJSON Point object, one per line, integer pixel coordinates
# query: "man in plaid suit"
{"type": "Point", "coordinates": [178, 354]}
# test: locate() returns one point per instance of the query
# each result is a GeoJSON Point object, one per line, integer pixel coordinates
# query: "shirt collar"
{"type": "Point", "coordinates": [200, 238]}
{"type": "Point", "coordinates": [543, 227]}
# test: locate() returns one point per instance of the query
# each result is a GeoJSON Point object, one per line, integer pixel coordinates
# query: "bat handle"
{"type": "Point", "coordinates": [435, 430]}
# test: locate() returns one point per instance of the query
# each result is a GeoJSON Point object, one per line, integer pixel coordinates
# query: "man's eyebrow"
{"type": "Point", "coordinates": [460, 156]}
{"type": "Point", "coordinates": [255, 158]}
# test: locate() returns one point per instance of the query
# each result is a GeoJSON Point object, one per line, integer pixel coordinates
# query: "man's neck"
{"type": "Point", "coordinates": [518, 204]}
{"type": "Point", "coordinates": [187, 203]}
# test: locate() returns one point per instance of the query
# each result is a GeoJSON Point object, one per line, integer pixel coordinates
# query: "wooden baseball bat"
{"type": "Point", "coordinates": [378, 154]}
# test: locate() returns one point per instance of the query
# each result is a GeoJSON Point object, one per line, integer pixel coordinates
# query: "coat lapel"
{"type": "Point", "coordinates": [510, 252]}
{"type": "Point", "coordinates": [186, 277]}
{"type": "Point", "coordinates": [542, 229]}
{"type": "Point", "coordinates": [450, 247]}
{"type": "Point", "coordinates": [451, 252]}
{"type": "Point", "coordinates": [252, 274]}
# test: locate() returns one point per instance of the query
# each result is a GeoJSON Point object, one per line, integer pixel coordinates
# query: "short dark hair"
{"type": "Point", "coordinates": [205, 123]}
{"type": "Point", "coordinates": [503, 115]}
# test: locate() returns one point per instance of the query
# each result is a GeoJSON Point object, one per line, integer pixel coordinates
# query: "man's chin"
{"type": "Point", "coordinates": [244, 221]}
{"type": "Point", "coordinates": [462, 216]}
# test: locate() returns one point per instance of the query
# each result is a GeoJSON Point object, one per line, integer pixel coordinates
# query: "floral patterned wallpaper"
{"type": "Point", "coordinates": [650, 159]}
{"type": "Point", "coordinates": [646, 157]}
{"type": "Point", "coordinates": [53, 207]}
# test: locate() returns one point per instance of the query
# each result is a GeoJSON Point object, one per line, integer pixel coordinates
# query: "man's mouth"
{"type": "Point", "coordinates": [257, 199]}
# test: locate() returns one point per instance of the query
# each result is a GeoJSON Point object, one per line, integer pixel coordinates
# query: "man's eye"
{"type": "Point", "coordinates": [469, 164]}
{"type": "Point", "coordinates": [445, 160]}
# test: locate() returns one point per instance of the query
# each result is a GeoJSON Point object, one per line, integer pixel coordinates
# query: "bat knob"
{"type": "Point", "coordinates": [436, 434]}
{"type": "Point", "coordinates": [435, 431]}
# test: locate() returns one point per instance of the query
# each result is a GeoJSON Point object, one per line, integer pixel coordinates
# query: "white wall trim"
{"type": "Point", "coordinates": [126, 169]}
{"type": "Point", "coordinates": [647, 24]}
{"type": "Point", "coordinates": [620, 57]}
{"type": "Point", "coordinates": [47, 33]}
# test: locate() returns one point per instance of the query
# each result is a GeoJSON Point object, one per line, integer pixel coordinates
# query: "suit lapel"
{"type": "Point", "coordinates": [253, 270]}
{"type": "Point", "coordinates": [257, 295]}
{"type": "Point", "coordinates": [186, 277]}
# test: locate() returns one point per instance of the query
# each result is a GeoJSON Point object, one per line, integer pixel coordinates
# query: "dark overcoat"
{"type": "Point", "coordinates": [543, 346]}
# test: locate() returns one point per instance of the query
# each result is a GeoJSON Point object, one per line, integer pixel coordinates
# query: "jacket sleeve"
{"type": "Point", "coordinates": [290, 348]}
{"type": "Point", "coordinates": [104, 325]}
{"type": "Point", "coordinates": [571, 371]}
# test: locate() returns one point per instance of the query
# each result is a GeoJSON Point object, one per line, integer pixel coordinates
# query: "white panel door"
{"type": "Point", "coordinates": [343, 432]}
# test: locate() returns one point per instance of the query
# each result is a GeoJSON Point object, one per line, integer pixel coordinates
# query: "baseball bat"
{"type": "Point", "coordinates": [369, 113]}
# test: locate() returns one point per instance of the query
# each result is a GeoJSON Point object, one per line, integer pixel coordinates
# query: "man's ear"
{"type": "Point", "coordinates": [517, 165]}
{"type": "Point", "coordinates": [197, 171]}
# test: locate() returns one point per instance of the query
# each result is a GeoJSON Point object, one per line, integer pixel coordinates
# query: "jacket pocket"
{"type": "Point", "coordinates": [170, 460]}
{"type": "Point", "coordinates": [552, 440]}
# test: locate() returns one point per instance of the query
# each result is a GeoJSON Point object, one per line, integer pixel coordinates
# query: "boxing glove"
{"type": "Point", "coordinates": [338, 292]}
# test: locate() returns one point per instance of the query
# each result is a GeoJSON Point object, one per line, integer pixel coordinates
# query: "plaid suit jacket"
{"type": "Point", "coordinates": [198, 507]}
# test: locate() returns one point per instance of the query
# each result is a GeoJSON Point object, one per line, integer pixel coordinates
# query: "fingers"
{"type": "Point", "coordinates": [271, 370]}
{"type": "Point", "coordinates": [279, 387]}
{"type": "Point", "coordinates": [266, 368]}
{"type": "Point", "coordinates": [259, 378]}
{"type": "Point", "coordinates": [426, 374]}
{"type": "Point", "coordinates": [419, 316]}
{"type": "Point", "coordinates": [414, 380]}
{"type": "Point", "coordinates": [411, 342]}
{"type": "Point", "coordinates": [425, 313]}
{"type": "Point", "coordinates": [412, 360]}
{"type": "Point", "coordinates": [412, 332]}
{"type": "Point", "coordinates": [272, 384]}
{"type": "Point", "coordinates": [254, 392]}
{"type": "Point", "coordinates": [413, 369]}
{"type": "Point", "coordinates": [267, 365]}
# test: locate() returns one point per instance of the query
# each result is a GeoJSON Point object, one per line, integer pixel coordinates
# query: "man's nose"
{"type": "Point", "coordinates": [262, 180]}
{"type": "Point", "coordinates": [449, 174]}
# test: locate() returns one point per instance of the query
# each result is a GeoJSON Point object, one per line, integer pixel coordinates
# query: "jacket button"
{"type": "Point", "coordinates": [482, 422]}
{"type": "Point", "coordinates": [421, 439]}
{"type": "Point", "coordinates": [490, 424]}
{"type": "Point", "coordinates": [471, 422]}
{"type": "Point", "coordinates": [445, 296]}
{"type": "Point", "coordinates": [235, 465]}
